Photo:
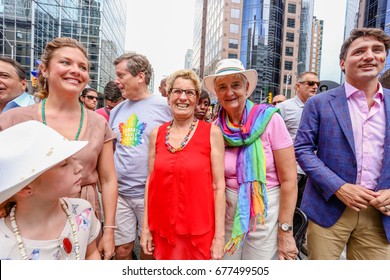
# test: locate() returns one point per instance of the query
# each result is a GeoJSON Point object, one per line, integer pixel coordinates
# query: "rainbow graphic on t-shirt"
{"type": "Point", "coordinates": [131, 131]}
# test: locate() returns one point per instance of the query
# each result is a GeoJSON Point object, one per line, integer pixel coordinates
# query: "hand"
{"type": "Point", "coordinates": [355, 197]}
{"type": "Point", "coordinates": [217, 248]}
{"type": "Point", "coordinates": [287, 249]}
{"type": "Point", "coordinates": [382, 202]}
{"type": "Point", "coordinates": [146, 242]}
{"type": "Point", "coordinates": [106, 245]}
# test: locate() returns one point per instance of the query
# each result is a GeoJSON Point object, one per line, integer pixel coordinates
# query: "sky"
{"type": "Point", "coordinates": [163, 32]}
{"type": "Point", "coordinates": [333, 14]}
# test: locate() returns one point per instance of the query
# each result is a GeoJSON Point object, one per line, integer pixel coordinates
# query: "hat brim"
{"type": "Point", "coordinates": [61, 152]}
{"type": "Point", "coordinates": [251, 76]}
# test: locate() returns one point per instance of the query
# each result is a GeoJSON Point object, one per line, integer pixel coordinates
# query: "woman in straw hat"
{"type": "Point", "coordinates": [63, 74]}
{"type": "Point", "coordinates": [260, 168]}
{"type": "Point", "coordinates": [185, 189]}
{"type": "Point", "coordinates": [42, 225]}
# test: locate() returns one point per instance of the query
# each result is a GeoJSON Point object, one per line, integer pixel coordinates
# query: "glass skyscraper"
{"type": "Point", "coordinates": [27, 25]}
{"type": "Point", "coordinates": [261, 43]}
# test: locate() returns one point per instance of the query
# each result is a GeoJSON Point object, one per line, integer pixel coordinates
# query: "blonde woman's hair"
{"type": "Point", "coordinates": [50, 48]}
{"type": "Point", "coordinates": [184, 74]}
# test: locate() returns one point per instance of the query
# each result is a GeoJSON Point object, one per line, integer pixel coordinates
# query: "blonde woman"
{"type": "Point", "coordinates": [63, 74]}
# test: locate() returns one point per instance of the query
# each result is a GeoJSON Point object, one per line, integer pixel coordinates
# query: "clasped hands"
{"type": "Point", "coordinates": [358, 198]}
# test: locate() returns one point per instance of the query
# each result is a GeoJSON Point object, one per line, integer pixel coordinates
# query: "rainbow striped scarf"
{"type": "Point", "coordinates": [251, 170]}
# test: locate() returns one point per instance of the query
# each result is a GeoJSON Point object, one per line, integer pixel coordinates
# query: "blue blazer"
{"type": "Point", "coordinates": [325, 150]}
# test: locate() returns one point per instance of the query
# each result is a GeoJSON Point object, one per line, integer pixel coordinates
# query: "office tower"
{"type": "Point", "coordinates": [26, 27]}
{"type": "Point", "coordinates": [316, 46]}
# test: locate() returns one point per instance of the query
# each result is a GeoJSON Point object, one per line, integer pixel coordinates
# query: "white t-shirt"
{"type": "Point", "coordinates": [87, 226]}
{"type": "Point", "coordinates": [132, 122]}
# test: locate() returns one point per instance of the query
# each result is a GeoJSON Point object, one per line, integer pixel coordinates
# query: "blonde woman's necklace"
{"type": "Point", "coordinates": [66, 244]}
{"type": "Point", "coordinates": [186, 138]}
{"type": "Point", "coordinates": [80, 123]}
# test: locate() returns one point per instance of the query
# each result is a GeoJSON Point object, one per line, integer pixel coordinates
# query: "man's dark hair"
{"type": "Point", "coordinates": [18, 67]}
{"type": "Point", "coordinates": [204, 95]}
{"type": "Point", "coordinates": [112, 92]}
{"type": "Point", "coordinates": [357, 33]}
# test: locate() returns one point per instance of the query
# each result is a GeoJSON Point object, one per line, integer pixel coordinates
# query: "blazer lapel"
{"type": "Point", "coordinates": [340, 108]}
{"type": "Point", "coordinates": [385, 174]}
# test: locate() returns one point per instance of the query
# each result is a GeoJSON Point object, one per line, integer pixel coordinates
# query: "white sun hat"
{"type": "Point", "coordinates": [27, 150]}
{"type": "Point", "coordinates": [228, 67]}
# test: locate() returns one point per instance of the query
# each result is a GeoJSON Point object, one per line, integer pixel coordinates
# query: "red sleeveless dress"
{"type": "Point", "coordinates": [181, 198]}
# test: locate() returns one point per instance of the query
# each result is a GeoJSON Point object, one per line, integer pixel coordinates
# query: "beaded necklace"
{"type": "Point", "coordinates": [81, 118]}
{"type": "Point", "coordinates": [182, 144]}
{"type": "Point", "coordinates": [66, 244]}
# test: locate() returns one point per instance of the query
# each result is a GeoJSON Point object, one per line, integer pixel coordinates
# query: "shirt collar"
{"type": "Point", "coordinates": [299, 101]}
{"type": "Point", "coordinates": [350, 89]}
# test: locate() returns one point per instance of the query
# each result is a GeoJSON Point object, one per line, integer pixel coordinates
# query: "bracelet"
{"type": "Point", "coordinates": [114, 227]}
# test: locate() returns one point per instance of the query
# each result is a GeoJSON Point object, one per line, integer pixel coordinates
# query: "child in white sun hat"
{"type": "Point", "coordinates": [37, 173]}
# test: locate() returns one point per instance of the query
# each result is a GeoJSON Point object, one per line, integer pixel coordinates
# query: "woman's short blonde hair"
{"type": "Point", "coordinates": [184, 74]}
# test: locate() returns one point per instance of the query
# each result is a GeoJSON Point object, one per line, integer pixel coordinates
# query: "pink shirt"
{"type": "Point", "coordinates": [274, 137]}
{"type": "Point", "coordinates": [368, 127]}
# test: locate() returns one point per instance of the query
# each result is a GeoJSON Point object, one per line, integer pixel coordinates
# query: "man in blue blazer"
{"type": "Point", "coordinates": [343, 145]}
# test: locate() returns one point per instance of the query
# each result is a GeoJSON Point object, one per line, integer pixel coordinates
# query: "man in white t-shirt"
{"type": "Point", "coordinates": [291, 111]}
{"type": "Point", "coordinates": [132, 121]}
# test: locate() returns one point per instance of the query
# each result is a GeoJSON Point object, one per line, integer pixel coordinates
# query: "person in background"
{"type": "Point", "coordinates": [162, 88]}
{"type": "Point", "coordinates": [343, 146]}
{"type": "Point", "coordinates": [184, 219]}
{"type": "Point", "coordinates": [291, 111]}
{"type": "Point", "coordinates": [203, 105]}
{"type": "Point", "coordinates": [132, 121]}
{"type": "Point", "coordinates": [89, 98]}
{"type": "Point", "coordinates": [13, 85]}
{"type": "Point", "coordinates": [278, 99]}
{"type": "Point", "coordinates": [43, 223]}
{"type": "Point", "coordinates": [113, 97]}
{"type": "Point", "coordinates": [260, 170]}
{"type": "Point", "coordinates": [63, 74]}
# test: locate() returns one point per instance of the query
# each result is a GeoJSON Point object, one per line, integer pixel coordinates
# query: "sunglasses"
{"type": "Point", "coordinates": [91, 97]}
{"type": "Point", "coordinates": [310, 83]}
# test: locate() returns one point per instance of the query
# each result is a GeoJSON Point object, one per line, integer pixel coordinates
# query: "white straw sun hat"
{"type": "Point", "coordinates": [27, 150]}
{"type": "Point", "coordinates": [228, 67]}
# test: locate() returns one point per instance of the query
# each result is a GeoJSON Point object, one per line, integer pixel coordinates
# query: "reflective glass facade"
{"type": "Point", "coordinates": [351, 17]}
{"type": "Point", "coordinates": [305, 35]}
{"type": "Point", "coordinates": [261, 43]}
{"type": "Point", "coordinates": [377, 14]}
{"type": "Point", "coordinates": [26, 26]}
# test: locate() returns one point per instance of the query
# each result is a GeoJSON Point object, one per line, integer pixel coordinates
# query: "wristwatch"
{"type": "Point", "coordinates": [285, 227]}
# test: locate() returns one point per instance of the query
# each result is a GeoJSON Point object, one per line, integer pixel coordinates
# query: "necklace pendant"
{"type": "Point", "coordinates": [67, 245]}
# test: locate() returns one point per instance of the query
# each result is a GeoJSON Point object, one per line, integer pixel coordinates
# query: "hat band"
{"type": "Point", "coordinates": [235, 69]}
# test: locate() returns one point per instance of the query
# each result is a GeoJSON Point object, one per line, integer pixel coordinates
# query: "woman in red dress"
{"type": "Point", "coordinates": [185, 190]}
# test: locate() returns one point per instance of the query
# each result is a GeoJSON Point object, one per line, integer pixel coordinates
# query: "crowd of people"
{"type": "Point", "coordinates": [77, 182]}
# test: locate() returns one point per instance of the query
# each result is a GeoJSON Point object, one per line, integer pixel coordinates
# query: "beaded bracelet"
{"type": "Point", "coordinates": [114, 227]}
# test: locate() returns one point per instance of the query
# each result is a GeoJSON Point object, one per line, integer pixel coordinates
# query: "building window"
{"type": "Point", "coordinates": [233, 43]}
{"type": "Point", "coordinates": [235, 13]}
{"type": "Point", "coordinates": [291, 22]}
{"type": "Point", "coordinates": [292, 8]}
{"type": "Point", "coordinates": [288, 65]}
{"type": "Point", "coordinates": [234, 28]}
{"type": "Point", "coordinates": [232, 55]}
{"type": "Point", "coordinates": [290, 37]}
{"type": "Point", "coordinates": [236, 1]}
{"type": "Point", "coordinates": [289, 51]}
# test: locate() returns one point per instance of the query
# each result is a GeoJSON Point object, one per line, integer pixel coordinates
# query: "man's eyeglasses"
{"type": "Point", "coordinates": [188, 92]}
{"type": "Point", "coordinates": [310, 83]}
{"type": "Point", "coordinates": [91, 97]}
